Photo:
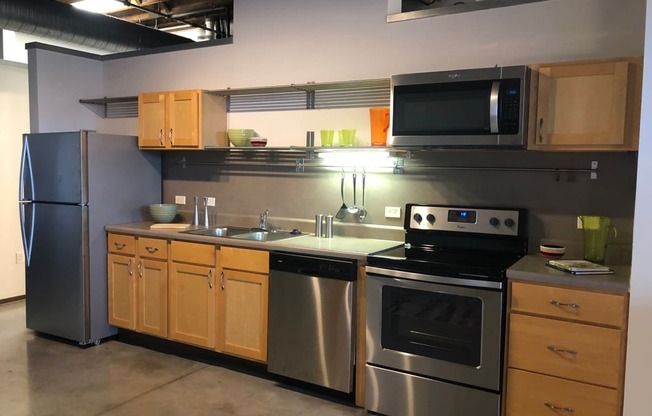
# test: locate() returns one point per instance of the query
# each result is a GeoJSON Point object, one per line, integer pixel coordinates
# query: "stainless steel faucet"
{"type": "Point", "coordinates": [263, 220]}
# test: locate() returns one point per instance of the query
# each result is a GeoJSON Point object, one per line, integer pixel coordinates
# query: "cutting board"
{"type": "Point", "coordinates": [175, 226]}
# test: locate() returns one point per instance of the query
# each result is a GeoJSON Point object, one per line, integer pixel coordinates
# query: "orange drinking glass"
{"type": "Point", "coordinates": [379, 118]}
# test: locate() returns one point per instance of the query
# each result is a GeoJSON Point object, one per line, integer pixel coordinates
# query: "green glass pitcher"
{"type": "Point", "coordinates": [596, 235]}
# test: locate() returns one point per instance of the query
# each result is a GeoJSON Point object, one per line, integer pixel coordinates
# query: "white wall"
{"type": "Point", "coordinates": [14, 121]}
{"type": "Point", "coordinates": [638, 400]}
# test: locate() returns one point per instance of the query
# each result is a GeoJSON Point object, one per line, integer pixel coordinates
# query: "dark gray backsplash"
{"type": "Point", "coordinates": [554, 200]}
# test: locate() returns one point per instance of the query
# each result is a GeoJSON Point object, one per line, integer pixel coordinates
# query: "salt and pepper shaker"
{"type": "Point", "coordinates": [205, 211]}
{"type": "Point", "coordinates": [195, 217]}
{"type": "Point", "coordinates": [329, 226]}
{"type": "Point", "coordinates": [310, 139]}
{"type": "Point", "coordinates": [319, 225]}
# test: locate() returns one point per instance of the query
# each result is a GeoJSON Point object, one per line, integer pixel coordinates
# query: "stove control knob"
{"type": "Point", "coordinates": [430, 218]}
{"type": "Point", "coordinates": [494, 221]}
{"type": "Point", "coordinates": [418, 218]}
{"type": "Point", "coordinates": [509, 222]}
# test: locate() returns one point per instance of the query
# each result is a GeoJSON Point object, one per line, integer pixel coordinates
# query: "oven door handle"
{"type": "Point", "coordinates": [488, 284]}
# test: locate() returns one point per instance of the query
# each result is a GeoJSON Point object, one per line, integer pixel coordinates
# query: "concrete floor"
{"type": "Point", "coordinates": [39, 376]}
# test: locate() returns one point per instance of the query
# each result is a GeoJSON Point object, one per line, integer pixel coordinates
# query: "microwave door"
{"type": "Point", "coordinates": [493, 107]}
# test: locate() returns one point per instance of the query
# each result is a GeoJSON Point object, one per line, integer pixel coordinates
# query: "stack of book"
{"type": "Point", "coordinates": [579, 267]}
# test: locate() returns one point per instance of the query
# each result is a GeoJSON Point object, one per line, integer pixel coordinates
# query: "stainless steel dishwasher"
{"type": "Point", "coordinates": [311, 326]}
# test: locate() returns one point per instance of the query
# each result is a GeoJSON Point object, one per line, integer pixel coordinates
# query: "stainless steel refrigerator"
{"type": "Point", "coordinates": [71, 185]}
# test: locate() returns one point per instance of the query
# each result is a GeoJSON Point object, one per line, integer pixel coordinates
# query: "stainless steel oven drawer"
{"type": "Point", "coordinates": [394, 393]}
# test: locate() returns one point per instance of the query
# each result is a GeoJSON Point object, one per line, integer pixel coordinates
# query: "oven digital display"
{"type": "Point", "coordinates": [456, 215]}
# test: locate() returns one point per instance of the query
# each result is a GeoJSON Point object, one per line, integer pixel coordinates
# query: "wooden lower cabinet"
{"type": "Point", "coordinates": [153, 297]}
{"type": "Point", "coordinates": [566, 351]}
{"type": "Point", "coordinates": [192, 294]}
{"type": "Point", "coordinates": [243, 300]}
{"type": "Point", "coordinates": [137, 283]}
{"type": "Point", "coordinates": [122, 290]}
{"type": "Point", "coordinates": [531, 394]}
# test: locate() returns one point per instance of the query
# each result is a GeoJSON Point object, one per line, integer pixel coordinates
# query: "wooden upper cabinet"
{"type": "Point", "coordinates": [190, 119]}
{"type": "Point", "coordinates": [593, 105]}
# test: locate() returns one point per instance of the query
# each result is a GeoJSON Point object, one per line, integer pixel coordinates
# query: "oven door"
{"type": "Point", "coordinates": [438, 330]}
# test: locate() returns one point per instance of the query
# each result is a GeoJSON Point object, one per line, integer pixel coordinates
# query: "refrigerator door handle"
{"type": "Point", "coordinates": [26, 175]}
{"type": "Point", "coordinates": [28, 235]}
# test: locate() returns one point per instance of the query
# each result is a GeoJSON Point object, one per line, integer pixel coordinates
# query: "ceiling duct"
{"type": "Point", "coordinates": [53, 20]}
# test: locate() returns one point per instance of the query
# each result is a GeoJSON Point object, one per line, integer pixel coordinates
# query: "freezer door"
{"type": "Point", "coordinates": [56, 279]}
{"type": "Point", "coordinates": [54, 168]}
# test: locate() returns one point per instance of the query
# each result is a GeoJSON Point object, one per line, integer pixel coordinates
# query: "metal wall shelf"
{"type": "Point", "coordinates": [309, 96]}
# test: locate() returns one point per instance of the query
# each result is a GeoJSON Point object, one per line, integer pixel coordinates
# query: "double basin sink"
{"type": "Point", "coordinates": [243, 233]}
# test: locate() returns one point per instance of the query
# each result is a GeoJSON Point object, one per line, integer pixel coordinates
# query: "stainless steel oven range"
{"type": "Point", "coordinates": [436, 312]}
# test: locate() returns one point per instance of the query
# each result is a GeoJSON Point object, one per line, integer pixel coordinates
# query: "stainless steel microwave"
{"type": "Point", "coordinates": [472, 108]}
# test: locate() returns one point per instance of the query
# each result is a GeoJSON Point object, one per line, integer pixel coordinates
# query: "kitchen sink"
{"type": "Point", "coordinates": [242, 233]}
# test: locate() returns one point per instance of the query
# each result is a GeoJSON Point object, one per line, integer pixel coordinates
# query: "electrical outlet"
{"type": "Point", "coordinates": [180, 199]}
{"type": "Point", "coordinates": [392, 212]}
{"type": "Point", "coordinates": [210, 201]}
{"type": "Point", "coordinates": [579, 223]}
{"type": "Point", "coordinates": [20, 257]}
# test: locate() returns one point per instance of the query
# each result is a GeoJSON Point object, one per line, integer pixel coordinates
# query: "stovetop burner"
{"type": "Point", "coordinates": [476, 243]}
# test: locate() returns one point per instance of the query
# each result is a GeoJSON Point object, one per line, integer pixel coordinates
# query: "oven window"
{"type": "Point", "coordinates": [436, 325]}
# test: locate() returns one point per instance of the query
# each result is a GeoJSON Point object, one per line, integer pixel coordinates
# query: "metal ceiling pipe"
{"type": "Point", "coordinates": [54, 20]}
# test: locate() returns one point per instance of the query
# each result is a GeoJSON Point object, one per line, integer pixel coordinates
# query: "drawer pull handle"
{"type": "Point", "coordinates": [559, 408]}
{"type": "Point", "coordinates": [151, 249]}
{"type": "Point", "coordinates": [570, 305]}
{"type": "Point", "coordinates": [120, 246]}
{"type": "Point", "coordinates": [561, 350]}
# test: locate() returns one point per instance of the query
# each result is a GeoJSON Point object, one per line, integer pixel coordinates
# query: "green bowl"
{"type": "Point", "coordinates": [163, 212]}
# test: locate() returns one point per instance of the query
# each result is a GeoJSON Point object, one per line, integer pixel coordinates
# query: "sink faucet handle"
{"type": "Point", "coordinates": [263, 219]}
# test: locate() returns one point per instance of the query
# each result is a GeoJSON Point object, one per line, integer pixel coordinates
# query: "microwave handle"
{"type": "Point", "coordinates": [493, 106]}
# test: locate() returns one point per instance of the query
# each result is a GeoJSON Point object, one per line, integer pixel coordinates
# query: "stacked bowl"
{"type": "Point", "coordinates": [240, 137]}
{"type": "Point", "coordinates": [163, 212]}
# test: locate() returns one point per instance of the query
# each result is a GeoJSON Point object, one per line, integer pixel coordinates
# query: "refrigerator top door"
{"type": "Point", "coordinates": [54, 168]}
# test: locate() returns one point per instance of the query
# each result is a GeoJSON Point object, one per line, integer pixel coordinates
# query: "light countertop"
{"type": "Point", "coordinates": [533, 268]}
{"type": "Point", "coordinates": [345, 247]}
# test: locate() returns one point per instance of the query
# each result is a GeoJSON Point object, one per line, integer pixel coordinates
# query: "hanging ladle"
{"type": "Point", "coordinates": [353, 209]}
{"type": "Point", "coordinates": [363, 211]}
{"type": "Point", "coordinates": [342, 212]}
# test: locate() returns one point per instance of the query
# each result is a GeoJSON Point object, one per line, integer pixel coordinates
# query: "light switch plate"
{"type": "Point", "coordinates": [210, 201]}
{"type": "Point", "coordinates": [579, 223]}
{"type": "Point", "coordinates": [180, 199]}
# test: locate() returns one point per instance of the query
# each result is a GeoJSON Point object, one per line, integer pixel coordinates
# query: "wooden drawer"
{"type": "Point", "coordinates": [153, 248]}
{"type": "Point", "coordinates": [597, 357]}
{"type": "Point", "coordinates": [528, 393]}
{"type": "Point", "coordinates": [599, 308]}
{"type": "Point", "coordinates": [256, 261]}
{"type": "Point", "coordinates": [121, 244]}
{"type": "Point", "coordinates": [195, 253]}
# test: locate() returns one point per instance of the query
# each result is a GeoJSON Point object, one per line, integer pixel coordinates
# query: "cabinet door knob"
{"type": "Point", "coordinates": [559, 408]}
